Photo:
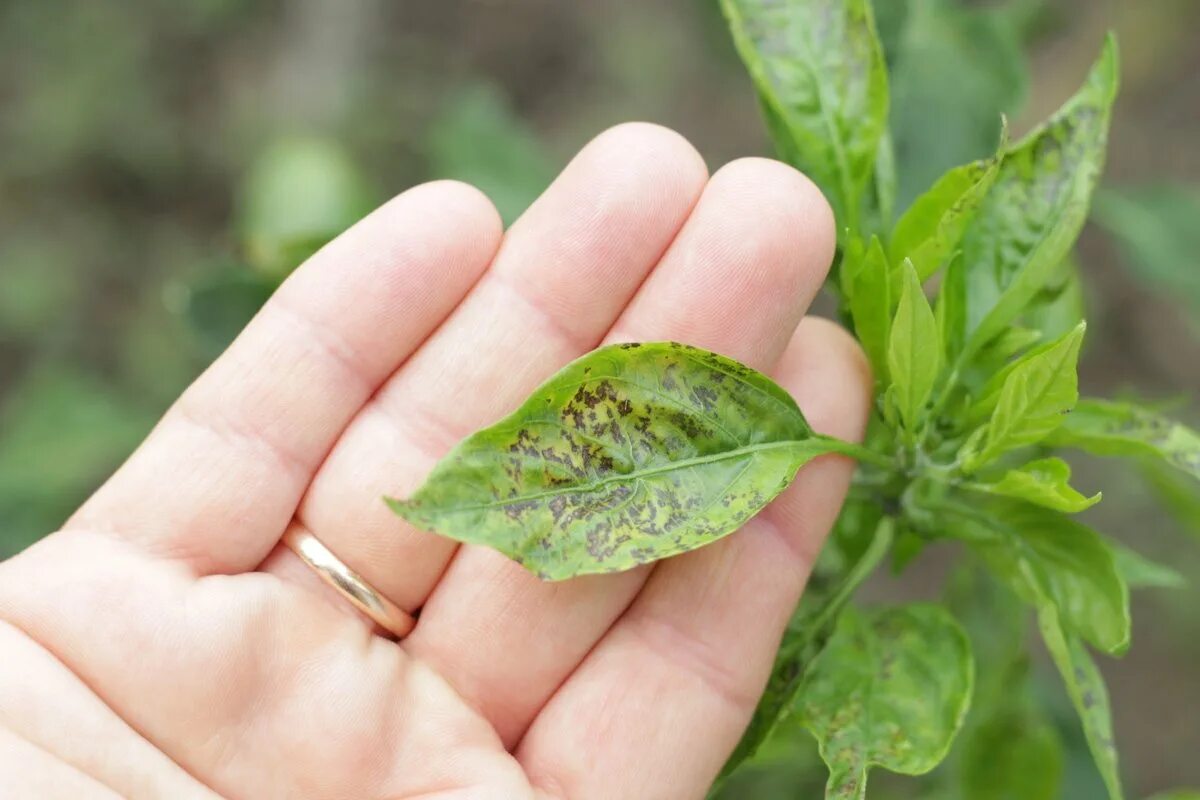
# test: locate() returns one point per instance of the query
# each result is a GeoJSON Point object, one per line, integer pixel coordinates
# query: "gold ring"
{"type": "Point", "coordinates": [347, 582]}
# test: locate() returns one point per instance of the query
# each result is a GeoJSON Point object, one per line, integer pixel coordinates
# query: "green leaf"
{"type": "Point", "coordinates": [1048, 558]}
{"type": "Point", "coordinates": [1036, 394]}
{"type": "Point", "coordinates": [300, 193]}
{"type": "Point", "coordinates": [914, 350]}
{"type": "Point", "coordinates": [1139, 572]}
{"type": "Point", "coordinates": [866, 279]}
{"type": "Point", "coordinates": [891, 689]}
{"type": "Point", "coordinates": [478, 139]}
{"type": "Point", "coordinates": [1044, 482]}
{"type": "Point", "coordinates": [811, 626]}
{"type": "Point", "coordinates": [1088, 694]}
{"type": "Point", "coordinates": [1033, 213]}
{"type": "Point", "coordinates": [933, 226]}
{"type": "Point", "coordinates": [1013, 755]}
{"type": "Point", "coordinates": [957, 69]}
{"type": "Point", "coordinates": [951, 308]}
{"type": "Point", "coordinates": [820, 74]}
{"type": "Point", "coordinates": [1060, 306]}
{"type": "Point", "coordinates": [1110, 428]}
{"type": "Point", "coordinates": [1176, 492]}
{"type": "Point", "coordinates": [630, 454]}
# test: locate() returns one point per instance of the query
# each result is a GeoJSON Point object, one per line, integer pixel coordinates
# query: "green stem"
{"type": "Point", "coordinates": [857, 451]}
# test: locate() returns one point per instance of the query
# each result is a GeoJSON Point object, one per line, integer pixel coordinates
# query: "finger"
{"type": "Point", "coordinates": [28, 772]}
{"type": "Point", "coordinates": [693, 652]}
{"type": "Point", "coordinates": [737, 280]}
{"type": "Point", "coordinates": [563, 274]}
{"type": "Point", "coordinates": [222, 473]}
{"type": "Point", "coordinates": [42, 702]}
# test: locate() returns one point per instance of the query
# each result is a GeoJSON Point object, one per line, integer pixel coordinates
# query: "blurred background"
{"type": "Point", "coordinates": [164, 164]}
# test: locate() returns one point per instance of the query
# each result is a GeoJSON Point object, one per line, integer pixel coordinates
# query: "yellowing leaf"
{"type": "Point", "coordinates": [633, 453]}
{"type": "Point", "coordinates": [890, 689]}
{"type": "Point", "coordinates": [1034, 211]}
{"type": "Point", "coordinates": [914, 351]}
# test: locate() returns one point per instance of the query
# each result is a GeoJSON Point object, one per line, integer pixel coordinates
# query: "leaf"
{"type": "Point", "coordinates": [1088, 694]}
{"type": "Point", "coordinates": [1139, 572]}
{"type": "Point", "coordinates": [1048, 558]}
{"type": "Point", "coordinates": [1044, 482]}
{"type": "Point", "coordinates": [820, 74]}
{"type": "Point", "coordinates": [1036, 393]}
{"type": "Point", "coordinates": [951, 308]}
{"type": "Point", "coordinates": [867, 280]}
{"type": "Point", "coordinates": [630, 454]}
{"type": "Point", "coordinates": [1013, 755]}
{"type": "Point", "coordinates": [478, 139]}
{"type": "Point", "coordinates": [811, 627]}
{"type": "Point", "coordinates": [933, 226]}
{"type": "Point", "coordinates": [891, 689]}
{"type": "Point", "coordinates": [1060, 306]}
{"type": "Point", "coordinates": [300, 193]}
{"type": "Point", "coordinates": [958, 69]}
{"type": "Point", "coordinates": [914, 350]}
{"type": "Point", "coordinates": [1110, 428]}
{"type": "Point", "coordinates": [1177, 494]}
{"type": "Point", "coordinates": [1033, 213]}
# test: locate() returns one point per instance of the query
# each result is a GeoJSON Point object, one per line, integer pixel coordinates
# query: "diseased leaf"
{"type": "Point", "coordinates": [812, 624]}
{"type": "Point", "coordinates": [866, 279]}
{"type": "Point", "coordinates": [1139, 572]}
{"type": "Point", "coordinates": [1088, 694]}
{"type": "Point", "coordinates": [1049, 558]}
{"type": "Point", "coordinates": [1044, 482]}
{"type": "Point", "coordinates": [1014, 755]}
{"type": "Point", "coordinates": [933, 226]}
{"type": "Point", "coordinates": [1110, 428]}
{"type": "Point", "coordinates": [1059, 307]}
{"type": "Point", "coordinates": [820, 75]}
{"type": "Point", "coordinates": [1036, 393]}
{"type": "Point", "coordinates": [1037, 206]}
{"type": "Point", "coordinates": [633, 453]}
{"type": "Point", "coordinates": [891, 689]}
{"type": "Point", "coordinates": [914, 350]}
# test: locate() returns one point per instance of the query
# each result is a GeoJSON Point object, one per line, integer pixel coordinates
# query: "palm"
{"type": "Point", "coordinates": [165, 645]}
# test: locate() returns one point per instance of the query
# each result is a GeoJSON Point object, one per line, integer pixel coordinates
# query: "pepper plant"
{"type": "Point", "coordinates": [967, 305]}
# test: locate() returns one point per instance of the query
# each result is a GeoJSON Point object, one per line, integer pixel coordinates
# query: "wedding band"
{"type": "Point", "coordinates": [348, 583]}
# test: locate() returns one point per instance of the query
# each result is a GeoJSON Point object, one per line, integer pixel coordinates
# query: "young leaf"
{"type": "Point", "coordinates": [1044, 482]}
{"type": "Point", "coordinates": [820, 74]}
{"type": "Point", "coordinates": [890, 689]}
{"type": "Point", "coordinates": [1038, 391]}
{"type": "Point", "coordinates": [1139, 572]}
{"type": "Point", "coordinates": [1088, 694]}
{"type": "Point", "coordinates": [1014, 755]}
{"type": "Point", "coordinates": [1037, 206]}
{"type": "Point", "coordinates": [633, 453]}
{"type": "Point", "coordinates": [1048, 558]}
{"type": "Point", "coordinates": [914, 350]}
{"type": "Point", "coordinates": [867, 281]}
{"type": "Point", "coordinates": [1109, 428]}
{"type": "Point", "coordinates": [933, 226]}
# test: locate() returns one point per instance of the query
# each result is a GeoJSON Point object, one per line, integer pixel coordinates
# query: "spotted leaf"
{"type": "Point", "coordinates": [630, 454]}
{"type": "Point", "coordinates": [891, 689]}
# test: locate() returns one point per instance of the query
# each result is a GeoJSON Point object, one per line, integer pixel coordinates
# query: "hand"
{"type": "Point", "coordinates": [165, 645]}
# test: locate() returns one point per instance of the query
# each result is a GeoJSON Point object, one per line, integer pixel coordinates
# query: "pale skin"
{"type": "Point", "coordinates": [164, 644]}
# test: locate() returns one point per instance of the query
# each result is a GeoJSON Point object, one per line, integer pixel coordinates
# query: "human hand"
{"type": "Point", "coordinates": [164, 644]}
